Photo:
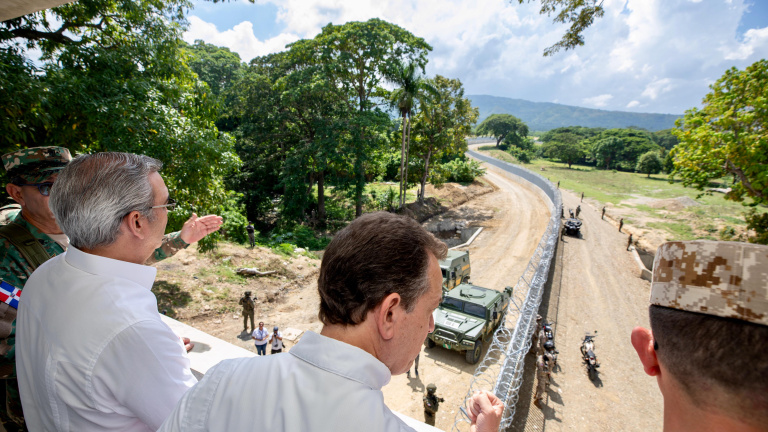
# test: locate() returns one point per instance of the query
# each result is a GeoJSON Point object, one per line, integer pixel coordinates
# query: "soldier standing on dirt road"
{"type": "Point", "coordinates": [431, 404]}
{"type": "Point", "coordinates": [603, 215]}
{"type": "Point", "coordinates": [248, 310]}
{"type": "Point", "coordinates": [629, 242]}
{"type": "Point", "coordinates": [542, 380]}
{"type": "Point", "coordinates": [621, 223]}
{"type": "Point", "coordinates": [578, 210]}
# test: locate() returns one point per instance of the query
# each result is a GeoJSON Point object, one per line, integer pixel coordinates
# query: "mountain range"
{"type": "Point", "coordinates": [543, 116]}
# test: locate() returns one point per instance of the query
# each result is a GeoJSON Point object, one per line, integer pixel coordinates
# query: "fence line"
{"type": "Point", "coordinates": [502, 367]}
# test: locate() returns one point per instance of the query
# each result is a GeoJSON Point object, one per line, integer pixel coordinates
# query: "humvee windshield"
{"type": "Point", "coordinates": [467, 308]}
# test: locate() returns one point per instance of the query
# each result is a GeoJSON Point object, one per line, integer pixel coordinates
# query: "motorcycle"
{"type": "Point", "coordinates": [548, 331]}
{"type": "Point", "coordinates": [588, 353]}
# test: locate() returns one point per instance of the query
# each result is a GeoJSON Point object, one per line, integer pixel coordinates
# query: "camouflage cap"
{"type": "Point", "coordinates": [725, 279]}
{"type": "Point", "coordinates": [36, 164]}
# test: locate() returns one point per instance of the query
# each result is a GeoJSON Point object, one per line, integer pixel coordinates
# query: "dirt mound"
{"type": "Point", "coordinates": [443, 198]}
{"type": "Point", "coordinates": [674, 204]}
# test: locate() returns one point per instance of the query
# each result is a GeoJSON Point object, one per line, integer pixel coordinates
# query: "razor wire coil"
{"type": "Point", "coordinates": [502, 367]}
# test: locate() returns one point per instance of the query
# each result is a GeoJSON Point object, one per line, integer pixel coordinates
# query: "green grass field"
{"type": "Point", "coordinates": [629, 190]}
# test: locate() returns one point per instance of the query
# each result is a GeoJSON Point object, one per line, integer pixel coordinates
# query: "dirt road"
{"type": "Point", "coordinates": [595, 288]}
{"type": "Point", "coordinates": [513, 218]}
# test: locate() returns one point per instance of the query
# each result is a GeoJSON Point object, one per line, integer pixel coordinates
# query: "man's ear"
{"type": "Point", "coordinates": [135, 224]}
{"type": "Point", "coordinates": [387, 314]}
{"type": "Point", "coordinates": [642, 340]}
{"type": "Point", "coordinates": [14, 192]}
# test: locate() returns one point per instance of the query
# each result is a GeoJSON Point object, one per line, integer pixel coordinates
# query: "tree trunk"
{"type": "Point", "coordinates": [321, 196]}
{"type": "Point", "coordinates": [407, 154]}
{"type": "Point", "coordinates": [359, 186]}
{"type": "Point", "coordinates": [424, 179]}
{"type": "Point", "coordinates": [401, 199]}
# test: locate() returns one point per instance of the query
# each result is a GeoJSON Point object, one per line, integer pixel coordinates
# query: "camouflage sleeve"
{"type": "Point", "coordinates": [15, 271]}
{"type": "Point", "coordinates": [172, 243]}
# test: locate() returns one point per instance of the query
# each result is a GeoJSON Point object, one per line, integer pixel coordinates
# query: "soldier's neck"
{"type": "Point", "coordinates": [45, 226]}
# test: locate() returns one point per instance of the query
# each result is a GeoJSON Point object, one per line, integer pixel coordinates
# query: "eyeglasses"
{"type": "Point", "coordinates": [170, 205]}
{"type": "Point", "coordinates": [43, 188]}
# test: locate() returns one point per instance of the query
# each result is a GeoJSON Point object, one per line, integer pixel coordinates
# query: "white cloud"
{"type": "Point", "coordinates": [657, 87]}
{"type": "Point", "coordinates": [658, 55]}
{"type": "Point", "coordinates": [754, 39]}
{"type": "Point", "coordinates": [239, 38]}
{"type": "Point", "coordinates": [598, 101]}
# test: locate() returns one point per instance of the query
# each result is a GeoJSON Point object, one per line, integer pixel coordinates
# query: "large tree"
{"type": "Point", "coordinates": [727, 136]}
{"type": "Point", "coordinates": [358, 56]}
{"type": "Point", "coordinates": [503, 126]}
{"type": "Point", "coordinates": [567, 147]}
{"type": "Point", "coordinates": [649, 163]}
{"type": "Point", "coordinates": [443, 125]}
{"type": "Point", "coordinates": [113, 76]}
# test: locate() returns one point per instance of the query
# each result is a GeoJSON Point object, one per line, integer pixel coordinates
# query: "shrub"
{"type": "Point", "coordinates": [462, 171]}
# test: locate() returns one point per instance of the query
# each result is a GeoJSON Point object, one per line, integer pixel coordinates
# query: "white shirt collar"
{"type": "Point", "coordinates": [103, 266]}
{"type": "Point", "coordinates": [342, 359]}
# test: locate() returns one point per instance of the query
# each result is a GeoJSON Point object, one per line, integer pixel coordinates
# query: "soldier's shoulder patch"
{"type": "Point", "coordinates": [9, 294]}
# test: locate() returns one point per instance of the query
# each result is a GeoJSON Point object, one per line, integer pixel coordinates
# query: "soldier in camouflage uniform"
{"type": "Point", "coordinates": [431, 404]}
{"type": "Point", "coordinates": [248, 310]}
{"type": "Point", "coordinates": [542, 380]}
{"type": "Point", "coordinates": [32, 172]}
{"type": "Point", "coordinates": [709, 335]}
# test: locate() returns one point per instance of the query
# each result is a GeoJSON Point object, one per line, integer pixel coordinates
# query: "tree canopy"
{"type": "Point", "coordinates": [502, 126]}
{"type": "Point", "coordinates": [727, 135]}
{"type": "Point", "coordinates": [114, 77]}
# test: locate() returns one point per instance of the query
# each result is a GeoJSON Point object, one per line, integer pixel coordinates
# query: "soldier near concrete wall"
{"type": "Point", "coordinates": [709, 335]}
{"type": "Point", "coordinates": [431, 404]}
{"type": "Point", "coordinates": [549, 361]}
{"type": "Point", "coordinates": [542, 380]}
{"type": "Point", "coordinates": [603, 215]}
{"type": "Point", "coordinates": [248, 310]}
{"type": "Point", "coordinates": [535, 335]}
{"type": "Point", "coordinates": [629, 242]}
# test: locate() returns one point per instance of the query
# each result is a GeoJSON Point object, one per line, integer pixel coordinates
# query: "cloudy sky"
{"type": "Point", "coordinates": [644, 55]}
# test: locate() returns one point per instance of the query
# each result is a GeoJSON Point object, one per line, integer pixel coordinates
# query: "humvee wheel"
{"type": "Point", "coordinates": [429, 343]}
{"type": "Point", "coordinates": [465, 280]}
{"type": "Point", "coordinates": [473, 356]}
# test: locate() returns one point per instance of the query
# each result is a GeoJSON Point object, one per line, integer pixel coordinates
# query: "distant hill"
{"type": "Point", "coordinates": [543, 116]}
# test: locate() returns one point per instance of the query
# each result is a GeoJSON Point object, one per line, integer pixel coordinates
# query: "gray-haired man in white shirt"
{"type": "Point", "coordinates": [379, 284]}
{"type": "Point", "coordinates": [92, 351]}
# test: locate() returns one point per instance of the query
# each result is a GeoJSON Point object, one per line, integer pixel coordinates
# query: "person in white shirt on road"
{"type": "Point", "coordinates": [379, 284]}
{"type": "Point", "coordinates": [261, 336]}
{"type": "Point", "coordinates": [276, 339]}
{"type": "Point", "coordinates": [92, 351]}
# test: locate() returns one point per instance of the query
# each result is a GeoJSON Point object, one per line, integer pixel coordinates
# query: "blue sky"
{"type": "Point", "coordinates": [642, 56]}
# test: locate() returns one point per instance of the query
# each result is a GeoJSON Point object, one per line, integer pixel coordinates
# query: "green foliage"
{"type": "Point", "coordinates": [622, 147]}
{"type": "Point", "coordinates": [759, 223]}
{"type": "Point", "coordinates": [727, 135]}
{"type": "Point", "coordinates": [649, 163]}
{"type": "Point", "coordinates": [580, 14]}
{"type": "Point", "coordinates": [123, 85]}
{"type": "Point", "coordinates": [299, 235]}
{"type": "Point", "coordinates": [216, 66]}
{"type": "Point", "coordinates": [442, 126]}
{"type": "Point", "coordinates": [523, 156]}
{"type": "Point", "coordinates": [566, 147]}
{"type": "Point", "coordinates": [504, 127]}
{"type": "Point", "coordinates": [665, 138]}
{"type": "Point", "coordinates": [462, 170]}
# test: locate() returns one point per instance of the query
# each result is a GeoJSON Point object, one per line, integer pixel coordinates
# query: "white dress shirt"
{"type": "Point", "coordinates": [92, 352]}
{"type": "Point", "coordinates": [321, 384]}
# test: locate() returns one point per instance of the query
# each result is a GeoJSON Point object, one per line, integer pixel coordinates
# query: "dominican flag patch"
{"type": "Point", "coordinates": [9, 294]}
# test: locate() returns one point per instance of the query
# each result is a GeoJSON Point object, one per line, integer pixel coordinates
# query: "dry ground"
{"type": "Point", "coordinates": [594, 276]}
